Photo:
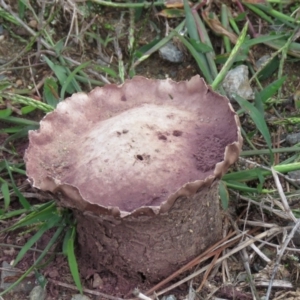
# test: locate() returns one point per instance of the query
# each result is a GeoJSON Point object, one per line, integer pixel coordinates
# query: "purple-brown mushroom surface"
{"type": "Point", "coordinates": [135, 146]}
{"type": "Point", "coordinates": [138, 163]}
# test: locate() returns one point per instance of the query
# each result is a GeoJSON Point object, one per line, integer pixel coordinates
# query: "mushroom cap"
{"type": "Point", "coordinates": [133, 149]}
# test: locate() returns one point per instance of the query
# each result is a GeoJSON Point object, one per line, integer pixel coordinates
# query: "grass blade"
{"type": "Point", "coordinates": [259, 12]}
{"type": "Point", "coordinates": [13, 213]}
{"type": "Point", "coordinates": [43, 254]}
{"type": "Point", "coordinates": [28, 101]}
{"type": "Point", "coordinates": [259, 104]}
{"type": "Point", "coordinates": [61, 74]}
{"type": "Point", "coordinates": [43, 213]}
{"type": "Point", "coordinates": [285, 19]}
{"type": "Point", "coordinates": [235, 185]}
{"type": "Point", "coordinates": [231, 59]}
{"type": "Point", "coordinates": [263, 39]}
{"type": "Point", "coordinates": [72, 260]}
{"type": "Point", "coordinates": [252, 174]}
{"type": "Point", "coordinates": [66, 239]}
{"type": "Point", "coordinates": [160, 44]}
{"type": "Point", "coordinates": [22, 199]}
{"type": "Point", "coordinates": [54, 221]}
{"type": "Point", "coordinates": [71, 77]}
{"type": "Point", "coordinates": [266, 151]}
{"type": "Point", "coordinates": [258, 120]}
{"type": "Point", "coordinates": [224, 195]}
{"type": "Point", "coordinates": [6, 195]}
{"type": "Point", "coordinates": [22, 132]}
{"type": "Point", "coordinates": [271, 89]}
{"type": "Point", "coordinates": [5, 113]}
{"type": "Point", "coordinates": [225, 23]}
{"type": "Point", "coordinates": [16, 120]}
{"type": "Point", "coordinates": [50, 92]}
{"type": "Point", "coordinates": [198, 57]}
{"type": "Point", "coordinates": [194, 35]}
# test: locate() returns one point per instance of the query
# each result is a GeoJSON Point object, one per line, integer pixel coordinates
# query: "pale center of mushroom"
{"type": "Point", "coordinates": [144, 153]}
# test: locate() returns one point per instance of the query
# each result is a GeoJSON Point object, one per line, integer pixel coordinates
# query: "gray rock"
{"type": "Point", "coordinates": [37, 293]}
{"type": "Point", "coordinates": [170, 297]}
{"type": "Point", "coordinates": [171, 53]}
{"type": "Point", "coordinates": [80, 297]}
{"type": "Point", "coordinates": [262, 60]}
{"type": "Point", "coordinates": [8, 271]}
{"type": "Point", "coordinates": [293, 138]}
{"type": "Point", "coordinates": [295, 175]}
{"type": "Point", "coordinates": [237, 82]}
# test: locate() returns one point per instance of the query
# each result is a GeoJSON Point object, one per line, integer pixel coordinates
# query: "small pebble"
{"type": "Point", "coordinates": [262, 60]}
{"type": "Point", "coordinates": [37, 293]}
{"type": "Point", "coordinates": [97, 282]}
{"type": "Point", "coordinates": [237, 82]}
{"type": "Point", "coordinates": [293, 138]}
{"type": "Point", "coordinates": [170, 297]}
{"type": "Point", "coordinates": [8, 271]}
{"type": "Point", "coordinates": [80, 297]}
{"type": "Point", "coordinates": [33, 24]}
{"type": "Point", "coordinates": [295, 175]}
{"type": "Point", "coordinates": [171, 53]}
{"type": "Point", "coordinates": [1, 33]}
{"type": "Point", "coordinates": [19, 82]}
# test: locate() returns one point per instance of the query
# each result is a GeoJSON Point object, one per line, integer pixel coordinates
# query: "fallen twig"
{"type": "Point", "coordinates": [192, 263]}
{"type": "Point", "coordinates": [88, 291]}
{"type": "Point", "coordinates": [235, 250]}
{"type": "Point", "coordinates": [280, 254]}
{"type": "Point", "coordinates": [283, 197]}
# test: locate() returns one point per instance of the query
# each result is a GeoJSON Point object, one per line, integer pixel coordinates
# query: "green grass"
{"type": "Point", "coordinates": [67, 75]}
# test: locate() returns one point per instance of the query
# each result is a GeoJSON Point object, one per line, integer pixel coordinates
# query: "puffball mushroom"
{"type": "Point", "coordinates": [139, 165]}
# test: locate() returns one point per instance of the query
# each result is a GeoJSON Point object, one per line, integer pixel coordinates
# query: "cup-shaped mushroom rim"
{"type": "Point", "coordinates": [71, 195]}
